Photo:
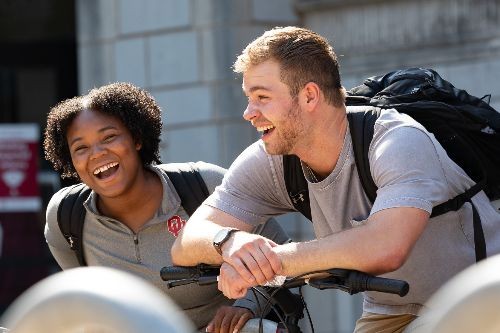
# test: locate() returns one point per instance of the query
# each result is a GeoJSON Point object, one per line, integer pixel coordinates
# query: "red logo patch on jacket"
{"type": "Point", "coordinates": [175, 224]}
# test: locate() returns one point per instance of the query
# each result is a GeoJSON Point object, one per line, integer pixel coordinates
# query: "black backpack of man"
{"type": "Point", "coordinates": [466, 126]}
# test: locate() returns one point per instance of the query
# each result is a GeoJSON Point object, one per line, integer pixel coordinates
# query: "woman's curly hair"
{"type": "Point", "coordinates": [135, 108]}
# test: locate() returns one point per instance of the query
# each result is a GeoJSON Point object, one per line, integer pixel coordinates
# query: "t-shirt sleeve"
{"type": "Point", "coordinates": [253, 188]}
{"type": "Point", "coordinates": [58, 246]}
{"type": "Point", "coordinates": [407, 170]}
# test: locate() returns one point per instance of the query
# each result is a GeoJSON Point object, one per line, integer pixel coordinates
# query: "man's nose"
{"type": "Point", "coordinates": [250, 113]}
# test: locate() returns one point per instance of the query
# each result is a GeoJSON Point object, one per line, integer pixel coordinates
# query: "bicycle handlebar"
{"type": "Point", "coordinates": [350, 281]}
{"type": "Point", "coordinates": [180, 275]}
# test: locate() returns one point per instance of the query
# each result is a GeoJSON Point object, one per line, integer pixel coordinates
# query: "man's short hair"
{"type": "Point", "coordinates": [303, 55]}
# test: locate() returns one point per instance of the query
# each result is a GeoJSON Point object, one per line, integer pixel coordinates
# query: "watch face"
{"type": "Point", "coordinates": [221, 236]}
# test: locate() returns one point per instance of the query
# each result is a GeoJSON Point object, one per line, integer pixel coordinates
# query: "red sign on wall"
{"type": "Point", "coordinates": [18, 168]}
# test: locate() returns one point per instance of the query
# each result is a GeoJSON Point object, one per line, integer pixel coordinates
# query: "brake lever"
{"type": "Point", "coordinates": [176, 283]}
{"type": "Point", "coordinates": [336, 280]}
{"type": "Point", "coordinates": [329, 283]}
{"type": "Point", "coordinates": [206, 280]}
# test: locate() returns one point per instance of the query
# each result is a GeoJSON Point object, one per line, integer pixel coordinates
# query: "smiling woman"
{"type": "Point", "coordinates": [109, 140]}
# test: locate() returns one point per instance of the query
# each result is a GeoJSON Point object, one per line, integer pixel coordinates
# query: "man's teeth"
{"type": "Point", "coordinates": [264, 128]}
{"type": "Point", "coordinates": [104, 168]}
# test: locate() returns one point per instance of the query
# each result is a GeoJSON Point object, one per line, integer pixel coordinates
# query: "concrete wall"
{"type": "Point", "coordinates": [458, 38]}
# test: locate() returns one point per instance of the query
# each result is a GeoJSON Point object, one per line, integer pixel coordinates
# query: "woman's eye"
{"type": "Point", "coordinates": [261, 97]}
{"type": "Point", "coordinates": [79, 148]}
{"type": "Point", "coordinates": [109, 138]}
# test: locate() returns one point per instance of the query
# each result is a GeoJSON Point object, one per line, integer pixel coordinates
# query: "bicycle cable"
{"type": "Point", "coordinates": [307, 309]}
{"type": "Point", "coordinates": [300, 276]}
{"type": "Point", "coordinates": [269, 306]}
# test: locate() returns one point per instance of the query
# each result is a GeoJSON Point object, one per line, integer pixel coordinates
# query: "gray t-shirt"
{"type": "Point", "coordinates": [410, 169]}
{"type": "Point", "coordinates": [108, 242]}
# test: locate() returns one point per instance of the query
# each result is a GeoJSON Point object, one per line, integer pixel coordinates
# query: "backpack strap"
{"type": "Point", "coordinates": [361, 124]}
{"type": "Point", "coordinates": [296, 185]}
{"type": "Point", "coordinates": [71, 216]}
{"type": "Point", "coordinates": [188, 183]}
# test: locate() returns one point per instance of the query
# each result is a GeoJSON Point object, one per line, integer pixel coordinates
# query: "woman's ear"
{"type": "Point", "coordinates": [138, 146]}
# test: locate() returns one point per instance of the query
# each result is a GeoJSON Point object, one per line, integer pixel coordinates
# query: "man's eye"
{"type": "Point", "coordinates": [262, 97]}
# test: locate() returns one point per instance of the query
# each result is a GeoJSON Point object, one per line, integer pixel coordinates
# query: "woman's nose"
{"type": "Point", "coordinates": [97, 151]}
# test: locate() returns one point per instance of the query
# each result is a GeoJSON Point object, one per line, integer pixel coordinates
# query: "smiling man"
{"type": "Point", "coordinates": [296, 101]}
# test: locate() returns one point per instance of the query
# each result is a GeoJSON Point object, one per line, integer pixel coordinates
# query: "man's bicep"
{"type": "Point", "coordinates": [399, 227]}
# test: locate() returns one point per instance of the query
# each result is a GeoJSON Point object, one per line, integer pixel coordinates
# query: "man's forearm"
{"type": "Point", "coordinates": [315, 255]}
{"type": "Point", "coordinates": [380, 246]}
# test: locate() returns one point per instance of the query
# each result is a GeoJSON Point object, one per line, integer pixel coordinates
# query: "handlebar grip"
{"type": "Point", "coordinates": [353, 282]}
{"type": "Point", "coordinates": [178, 273]}
{"type": "Point", "coordinates": [385, 285]}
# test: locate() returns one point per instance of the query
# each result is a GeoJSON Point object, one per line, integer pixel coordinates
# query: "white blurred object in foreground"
{"type": "Point", "coordinates": [94, 299]}
{"type": "Point", "coordinates": [469, 302]}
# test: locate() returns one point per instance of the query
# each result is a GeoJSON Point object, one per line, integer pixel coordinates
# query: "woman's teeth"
{"type": "Point", "coordinates": [104, 168]}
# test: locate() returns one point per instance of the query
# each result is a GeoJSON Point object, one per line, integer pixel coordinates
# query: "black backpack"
{"type": "Point", "coordinates": [71, 214]}
{"type": "Point", "coordinates": [466, 126]}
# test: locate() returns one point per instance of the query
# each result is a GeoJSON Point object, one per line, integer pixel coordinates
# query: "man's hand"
{"type": "Point", "coordinates": [252, 257]}
{"type": "Point", "coordinates": [231, 283]}
{"type": "Point", "coordinates": [229, 319]}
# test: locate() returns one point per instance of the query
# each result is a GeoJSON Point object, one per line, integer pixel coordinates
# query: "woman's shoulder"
{"type": "Point", "coordinates": [51, 213]}
{"type": "Point", "coordinates": [57, 197]}
{"type": "Point", "coordinates": [62, 194]}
